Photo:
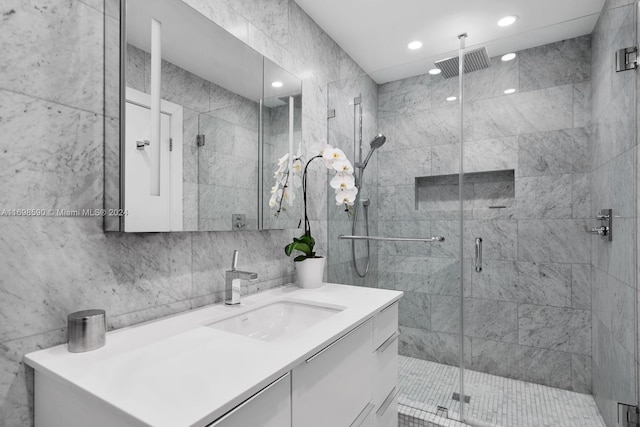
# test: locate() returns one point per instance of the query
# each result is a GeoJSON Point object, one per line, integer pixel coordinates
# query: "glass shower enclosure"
{"type": "Point", "coordinates": [525, 314]}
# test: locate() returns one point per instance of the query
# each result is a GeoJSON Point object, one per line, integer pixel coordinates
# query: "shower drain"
{"type": "Point", "coordinates": [442, 412]}
{"type": "Point", "coordinates": [456, 397]}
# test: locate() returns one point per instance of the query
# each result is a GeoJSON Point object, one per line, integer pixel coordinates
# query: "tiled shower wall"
{"type": "Point", "coordinates": [613, 186]}
{"type": "Point", "coordinates": [343, 132]}
{"type": "Point", "coordinates": [527, 155]}
{"type": "Point", "coordinates": [52, 109]}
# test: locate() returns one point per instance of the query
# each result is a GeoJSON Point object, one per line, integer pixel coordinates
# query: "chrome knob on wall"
{"type": "Point", "coordinates": [606, 225]}
{"type": "Point", "coordinates": [602, 230]}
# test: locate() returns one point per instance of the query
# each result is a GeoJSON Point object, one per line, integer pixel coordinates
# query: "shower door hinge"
{"type": "Point", "coordinates": [627, 59]}
{"type": "Point", "coordinates": [331, 114]}
{"type": "Point", "coordinates": [628, 416]}
{"type": "Point", "coordinates": [200, 140]}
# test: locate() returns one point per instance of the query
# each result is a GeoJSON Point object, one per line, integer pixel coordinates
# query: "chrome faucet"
{"type": "Point", "coordinates": [232, 281]}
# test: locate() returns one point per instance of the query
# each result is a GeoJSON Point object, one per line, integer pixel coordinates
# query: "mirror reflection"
{"type": "Point", "coordinates": [282, 138]}
{"type": "Point", "coordinates": [192, 139]}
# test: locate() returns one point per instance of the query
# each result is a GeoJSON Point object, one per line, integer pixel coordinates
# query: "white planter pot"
{"type": "Point", "coordinates": [309, 272]}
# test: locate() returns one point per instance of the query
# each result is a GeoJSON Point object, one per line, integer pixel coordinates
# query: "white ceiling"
{"type": "Point", "coordinates": [375, 33]}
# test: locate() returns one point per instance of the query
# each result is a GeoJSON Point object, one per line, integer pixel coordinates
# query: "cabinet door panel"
{"type": "Point", "coordinates": [387, 414]}
{"type": "Point", "coordinates": [385, 324]}
{"type": "Point", "coordinates": [386, 377]}
{"type": "Point", "coordinates": [332, 387]}
{"type": "Point", "coordinates": [270, 407]}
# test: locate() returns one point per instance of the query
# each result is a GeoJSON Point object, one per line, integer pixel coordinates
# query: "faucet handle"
{"type": "Point", "coordinates": [234, 260]}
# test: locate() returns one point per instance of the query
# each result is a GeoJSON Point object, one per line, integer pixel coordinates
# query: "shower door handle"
{"type": "Point", "coordinates": [478, 254]}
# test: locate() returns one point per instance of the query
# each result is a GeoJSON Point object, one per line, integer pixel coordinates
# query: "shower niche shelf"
{"type": "Point", "coordinates": [489, 194]}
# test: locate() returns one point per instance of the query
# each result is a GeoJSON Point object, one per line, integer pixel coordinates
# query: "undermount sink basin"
{"type": "Point", "coordinates": [276, 321]}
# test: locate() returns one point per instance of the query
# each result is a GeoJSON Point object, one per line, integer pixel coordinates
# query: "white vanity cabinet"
{"type": "Point", "coordinates": [385, 343]}
{"type": "Point", "coordinates": [179, 372]}
{"type": "Point", "coordinates": [333, 386]}
{"type": "Point", "coordinates": [352, 381]}
{"type": "Point", "coordinates": [270, 407]}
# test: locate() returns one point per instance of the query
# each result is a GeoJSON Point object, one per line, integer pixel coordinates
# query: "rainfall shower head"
{"type": "Point", "coordinates": [377, 142]}
{"type": "Point", "coordinates": [474, 60]}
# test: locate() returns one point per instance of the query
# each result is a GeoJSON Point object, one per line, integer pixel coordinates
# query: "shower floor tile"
{"type": "Point", "coordinates": [495, 401]}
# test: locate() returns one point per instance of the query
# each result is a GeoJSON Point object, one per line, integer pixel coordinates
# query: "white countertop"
{"type": "Point", "coordinates": [176, 372]}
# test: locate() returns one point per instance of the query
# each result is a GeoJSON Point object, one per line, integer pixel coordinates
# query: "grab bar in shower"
{"type": "Point", "coordinates": [392, 239]}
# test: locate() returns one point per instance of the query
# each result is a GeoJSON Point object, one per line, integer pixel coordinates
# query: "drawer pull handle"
{"type": "Point", "coordinates": [337, 341]}
{"type": "Point", "coordinates": [246, 402]}
{"type": "Point", "coordinates": [362, 417]}
{"type": "Point", "coordinates": [387, 402]}
{"type": "Point", "coordinates": [388, 342]}
{"type": "Point", "coordinates": [388, 307]}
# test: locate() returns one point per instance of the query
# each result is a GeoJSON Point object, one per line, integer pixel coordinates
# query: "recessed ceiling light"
{"type": "Point", "coordinates": [508, 57]}
{"type": "Point", "coordinates": [451, 98]}
{"type": "Point", "coordinates": [435, 71]}
{"type": "Point", "coordinates": [276, 84]}
{"type": "Point", "coordinates": [416, 44]}
{"type": "Point", "coordinates": [507, 20]}
{"type": "Point", "coordinates": [510, 91]}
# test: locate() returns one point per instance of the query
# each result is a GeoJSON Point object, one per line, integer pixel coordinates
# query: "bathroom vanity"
{"type": "Point", "coordinates": [285, 357]}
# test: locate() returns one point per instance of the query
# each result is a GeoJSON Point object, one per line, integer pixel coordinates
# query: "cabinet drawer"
{"type": "Point", "coordinates": [387, 414]}
{"type": "Point", "coordinates": [367, 417]}
{"type": "Point", "coordinates": [386, 369]}
{"type": "Point", "coordinates": [270, 407]}
{"type": "Point", "coordinates": [385, 324]}
{"type": "Point", "coordinates": [332, 387]}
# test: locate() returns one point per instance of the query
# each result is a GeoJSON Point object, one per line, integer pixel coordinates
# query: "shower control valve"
{"type": "Point", "coordinates": [606, 224]}
{"type": "Point", "coordinates": [601, 231]}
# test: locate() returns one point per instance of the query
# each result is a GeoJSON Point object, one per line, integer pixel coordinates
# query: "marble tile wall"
{"type": "Point", "coordinates": [613, 186]}
{"type": "Point", "coordinates": [341, 95]}
{"type": "Point", "coordinates": [527, 194]}
{"type": "Point", "coordinates": [54, 122]}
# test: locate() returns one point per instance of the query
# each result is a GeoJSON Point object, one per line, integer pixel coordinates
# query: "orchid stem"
{"type": "Point", "coordinates": [307, 224]}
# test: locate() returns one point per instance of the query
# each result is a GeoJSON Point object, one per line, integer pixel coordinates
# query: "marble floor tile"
{"type": "Point", "coordinates": [495, 401]}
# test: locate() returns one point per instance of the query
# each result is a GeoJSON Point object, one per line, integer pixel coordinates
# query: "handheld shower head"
{"type": "Point", "coordinates": [377, 142]}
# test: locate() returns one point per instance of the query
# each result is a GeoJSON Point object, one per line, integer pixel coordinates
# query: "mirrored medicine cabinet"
{"type": "Point", "coordinates": [204, 120]}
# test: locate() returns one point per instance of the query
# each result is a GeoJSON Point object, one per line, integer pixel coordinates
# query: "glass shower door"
{"type": "Point", "coordinates": [550, 308]}
{"type": "Point", "coordinates": [419, 196]}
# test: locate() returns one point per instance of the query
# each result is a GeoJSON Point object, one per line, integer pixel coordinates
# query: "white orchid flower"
{"type": "Point", "coordinates": [332, 155]}
{"type": "Point", "coordinates": [282, 160]}
{"type": "Point", "coordinates": [296, 181]}
{"type": "Point", "coordinates": [342, 181]}
{"type": "Point", "coordinates": [297, 166]}
{"type": "Point", "coordinates": [346, 197]}
{"type": "Point", "coordinates": [275, 198]}
{"type": "Point", "coordinates": [289, 196]}
{"type": "Point", "coordinates": [319, 149]}
{"type": "Point", "coordinates": [343, 166]}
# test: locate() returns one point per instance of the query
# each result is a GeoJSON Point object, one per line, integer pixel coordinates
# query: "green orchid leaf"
{"type": "Point", "coordinates": [300, 258]}
{"type": "Point", "coordinates": [297, 246]}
